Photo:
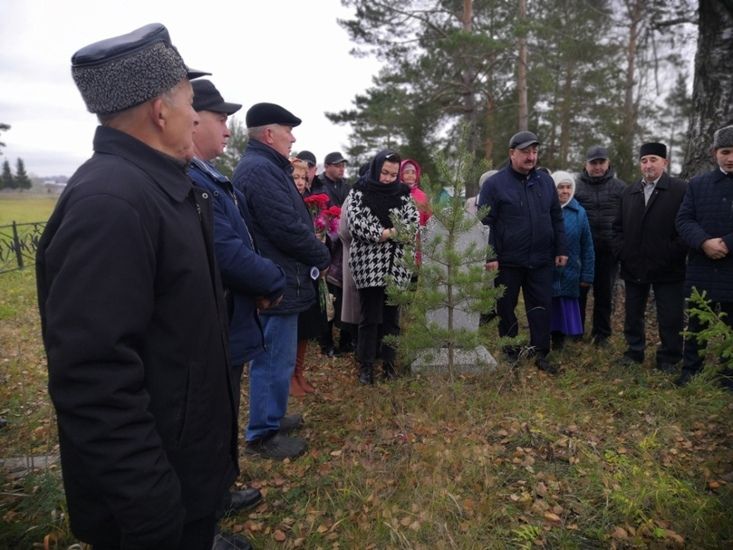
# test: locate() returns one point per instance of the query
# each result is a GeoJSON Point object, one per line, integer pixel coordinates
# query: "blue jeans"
{"type": "Point", "coordinates": [270, 374]}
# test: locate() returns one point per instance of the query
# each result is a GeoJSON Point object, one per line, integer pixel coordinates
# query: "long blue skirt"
{"type": "Point", "coordinates": [565, 316]}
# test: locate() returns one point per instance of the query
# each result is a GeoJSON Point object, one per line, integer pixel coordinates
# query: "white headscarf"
{"type": "Point", "coordinates": [560, 176]}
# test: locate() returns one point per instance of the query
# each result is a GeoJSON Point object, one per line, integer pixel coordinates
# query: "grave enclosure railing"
{"type": "Point", "coordinates": [18, 244]}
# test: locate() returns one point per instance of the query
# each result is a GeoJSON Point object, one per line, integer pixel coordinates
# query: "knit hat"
{"type": "Point", "coordinates": [723, 137]}
{"type": "Point", "coordinates": [653, 148]}
{"type": "Point", "coordinates": [124, 71]}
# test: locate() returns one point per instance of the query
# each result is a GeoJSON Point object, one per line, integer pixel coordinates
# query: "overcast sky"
{"type": "Point", "coordinates": [291, 52]}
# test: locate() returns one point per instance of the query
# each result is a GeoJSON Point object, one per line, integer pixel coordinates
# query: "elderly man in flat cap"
{"type": "Point", "coordinates": [283, 231]}
{"type": "Point", "coordinates": [652, 256]}
{"type": "Point", "coordinates": [528, 238]}
{"type": "Point", "coordinates": [705, 223]}
{"type": "Point", "coordinates": [132, 313]}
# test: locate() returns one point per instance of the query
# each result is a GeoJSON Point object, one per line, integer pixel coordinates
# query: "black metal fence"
{"type": "Point", "coordinates": [18, 244]}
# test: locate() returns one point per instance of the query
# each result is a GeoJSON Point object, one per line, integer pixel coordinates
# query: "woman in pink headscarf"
{"type": "Point", "coordinates": [410, 175]}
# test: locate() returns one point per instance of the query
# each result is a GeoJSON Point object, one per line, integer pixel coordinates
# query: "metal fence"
{"type": "Point", "coordinates": [18, 244]}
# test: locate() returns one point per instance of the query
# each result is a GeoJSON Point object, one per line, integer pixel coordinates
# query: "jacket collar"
{"type": "Point", "coordinates": [270, 153]}
{"type": "Point", "coordinates": [168, 173]}
{"type": "Point", "coordinates": [663, 183]}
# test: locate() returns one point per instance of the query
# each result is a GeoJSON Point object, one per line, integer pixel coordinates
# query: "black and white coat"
{"type": "Point", "coordinates": [370, 260]}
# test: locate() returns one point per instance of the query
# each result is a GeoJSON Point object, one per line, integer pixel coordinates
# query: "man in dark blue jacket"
{"type": "Point", "coordinates": [283, 231]}
{"type": "Point", "coordinates": [250, 281]}
{"type": "Point", "coordinates": [528, 239]}
{"type": "Point", "coordinates": [705, 223]}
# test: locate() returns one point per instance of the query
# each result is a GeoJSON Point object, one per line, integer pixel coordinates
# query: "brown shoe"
{"type": "Point", "coordinates": [305, 386]}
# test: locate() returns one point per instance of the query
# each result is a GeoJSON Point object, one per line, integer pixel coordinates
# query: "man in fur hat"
{"type": "Point", "coordinates": [133, 317]}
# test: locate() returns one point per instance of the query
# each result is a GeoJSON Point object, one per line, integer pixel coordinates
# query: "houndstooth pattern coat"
{"type": "Point", "coordinates": [370, 260]}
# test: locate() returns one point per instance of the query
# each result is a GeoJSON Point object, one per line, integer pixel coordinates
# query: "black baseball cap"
{"type": "Point", "coordinates": [207, 98]}
{"type": "Point", "coordinates": [334, 158]}
{"type": "Point", "coordinates": [596, 153]}
{"type": "Point", "coordinates": [307, 156]}
{"type": "Point", "coordinates": [522, 140]}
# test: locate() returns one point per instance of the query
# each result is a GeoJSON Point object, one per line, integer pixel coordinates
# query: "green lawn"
{"type": "Point", "coordinates": [25, 207]}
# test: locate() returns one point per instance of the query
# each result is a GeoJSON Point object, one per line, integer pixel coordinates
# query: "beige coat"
{"type": "Point", "coordinates": [350, 306]}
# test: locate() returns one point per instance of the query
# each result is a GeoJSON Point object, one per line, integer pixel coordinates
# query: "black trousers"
{"type": "Point", "coordinates": [536, 286]}
{"type": "Point", "coordinates": [606, 270]}
{"type": "Point", "coordinates": [693, 349]}
{"type": "Point", "coordinates": [196, 535]}
{"type": "Point", "coordinates": [670, 300]}
{"type": "Point", "coordinates": [378, 319]}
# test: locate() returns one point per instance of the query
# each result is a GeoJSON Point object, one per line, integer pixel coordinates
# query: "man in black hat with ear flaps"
{"type": "Point", "coordinates": [282, 230]}
{"type": "Point", "coordinates": [652, 256]}
{"type": "Point", "coordinates": [133, 316]}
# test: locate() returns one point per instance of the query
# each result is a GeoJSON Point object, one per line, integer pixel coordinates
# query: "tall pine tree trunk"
{"type": "Point", "coordinates": [522, 69]}
{"type": "Point", "coordinates": [712, 93]}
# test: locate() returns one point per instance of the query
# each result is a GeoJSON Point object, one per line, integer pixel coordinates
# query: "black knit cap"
{"type": "Point", "coordinates": [124, 71]}
{"type": "Point", "coordinates": [207, 98]}
{"type": "Point", "coordinates": [653, 148]}
{"type": "Point", "coordinates": [262, 114]}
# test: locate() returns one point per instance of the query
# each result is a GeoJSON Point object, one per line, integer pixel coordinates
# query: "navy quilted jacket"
{"type": "Point", "coordinates": [281, 225]}
{"type": "Point", "coordinates": [707, 212]}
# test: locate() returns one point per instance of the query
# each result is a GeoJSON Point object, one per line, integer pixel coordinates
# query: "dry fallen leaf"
{"type": "Point", "coordinates": [550, 516]}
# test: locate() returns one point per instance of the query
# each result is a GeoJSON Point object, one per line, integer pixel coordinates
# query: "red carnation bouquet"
{"type": "Point", "coordinates": [326, 223]}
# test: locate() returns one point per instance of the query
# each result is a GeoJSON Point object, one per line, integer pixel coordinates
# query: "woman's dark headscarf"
{"type": "Point", "coordinates": [380, 198]}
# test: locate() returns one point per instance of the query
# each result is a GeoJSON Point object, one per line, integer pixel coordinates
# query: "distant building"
{"type": "Point", "coordinates": [54, 187]}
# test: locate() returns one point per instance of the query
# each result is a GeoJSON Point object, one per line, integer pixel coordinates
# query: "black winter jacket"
{"type": "Point", "coordinates": [646, 241]}
{"type": "Point", "coordinates": [281, 225]}
{"type": "Point", "coordinates": [600, 197]}
{"type": "Point", "coordinates": [336, 191]}
{"type": "Point", "coordinates": [707, 212]}
{"type": "Point", "coordinates": [134, 327]}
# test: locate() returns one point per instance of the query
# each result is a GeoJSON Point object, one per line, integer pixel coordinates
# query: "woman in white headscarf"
{"type": "Point", "coordinates": [565, 318]}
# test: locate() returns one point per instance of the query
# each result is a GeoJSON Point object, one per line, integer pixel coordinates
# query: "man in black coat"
{"type": "Point", "coordinates": [705, 223]}
{"type": "Point", "coordinates": [652, 256]}
{"type": "Point", "coordinates": [133, 315]}
{"type": "Point", "coordinates": [599, 192]}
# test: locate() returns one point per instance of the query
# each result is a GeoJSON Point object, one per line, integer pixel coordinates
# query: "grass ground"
{"type": "Point", "coordinates": [597, 457]}
{"type": "Point", "coordinates": [25, 207]}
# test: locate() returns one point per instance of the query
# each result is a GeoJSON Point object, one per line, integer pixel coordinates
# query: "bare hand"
{"type": "Point", "coordinates": [585, 285]}
{"type": "Point", "coordinates": [561, 261]}
{"type": "Point", "coordinates": [715, 249]}
{"type": "Point", "coordinates": [263, 303]}
{"type": "Point", "coordinates": [492, 266]}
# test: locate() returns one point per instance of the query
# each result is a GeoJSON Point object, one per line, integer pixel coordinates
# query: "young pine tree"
{"type": "Point", "coordinates": [449, 277]}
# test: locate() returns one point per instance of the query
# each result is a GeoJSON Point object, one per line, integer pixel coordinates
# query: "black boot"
{"type": "Point", "coordinates": [388, 371]}
{"type": "Point", "coordinates": [366, 374]}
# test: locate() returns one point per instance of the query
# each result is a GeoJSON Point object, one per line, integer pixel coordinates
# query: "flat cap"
{"type": "Point", "coordinates": [307, 156]}
{"type": "Point", "coordinates": [334, 158]}
{"type": "Point", "coordinates": [596, 153]}
{"type": "Point", "coordinates": [207, 98]}
{"type": "Point", "coordinates": [262, 114]}
{"type": "Point", "coordinates": [723, 137]}
{"type": "Point", "coordinates": [124, 71]}
{"type": "Point", "coordinates": [522, 140]}
{"type": "Point", "coordinates": [653, 148]}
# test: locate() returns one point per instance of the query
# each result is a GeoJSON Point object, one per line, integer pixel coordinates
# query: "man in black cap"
{"type": "Point", "coordinates": [331, 181]}
{"type": "Point", "coordinates": [527, 236]}
{"type": "Point", "coordinates": [599, 192]}
{"type": "Point", "coordinates": [253, 282]}
{"type": "Point", "coordinates": [283, 231]}
{"type": "Point", "coordinates": [310, 160]}
{"type": "Point", "coordinates": [652, 256]}
{"type": "Point", "coordinates": [132, 313]}
{"type": "Point", "coordinates": [705, 223]}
